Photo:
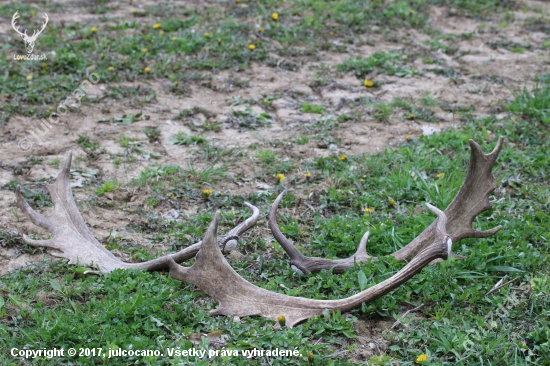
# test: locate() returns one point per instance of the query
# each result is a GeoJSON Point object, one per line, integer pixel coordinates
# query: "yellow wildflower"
{"type": "Point", "coordinates": [280, 177]}
{"type": "Point", "coordinates": [281, 319]}
{"type": "Point", "coordinates": [44, 64]}
{"type": "Point", "coordinates": [440, 175]}
{"type": "Point", "coordinates": [161, 31]}
{"type": "Point", "coordinates": [361, 180]}
{"type": "Point", "coordinates": [101, 54]}
{"type": "Point", "coordinates": [412, 11]}
{"type": "Point", "coordinates": [173, 38]}
{"type": "Point", "coordinates": [237, 1]}
{"type": "Point", "coordinates": [206, 35]}
{"type": "Point", "coordinates": [176, 82]}
{"type": "Point", "coordinates": [411, 116]}
{"type": "Point", "coordinates": [144, 50]}
{"type": "Point", "coordinates": [260, 29]}
{"type": "Point", "coordinates": [308, 175]}
{"type": "Point", "coordinates": [251, 47]}
{"type": "Point", "coordinates": [369, 210]}
{"type": "Point", "coordinates": [331, 33]}
{"type": "Point", "coordinates": [408, 137]}
{"type": "Point", "coordinates": [310, 357]}
{"type": "Point", "coordinates": [368, 83]}
{"type": "Point", "coordinates": [29, 77]}
{"type": "Point", "coordinates": [157, 26]}
{"type": "Point", "coordinates": [111, 68]}
{"type": "Point", "coordinates": [275, 16]}
{"type": "Point", "coordinates": [422, 358]}
{"type": "Point", "coordinates": [391, 202]}
{"type": "Point", "coordinates": [207, 192]}
{"type": "Point", "coordinates": [104, 245]}
{"type": "Point", "coordinates": [93, 30]}
{"type": "Point", "coordinates": [343, 157]}
{"type": "Point", "coordinates": [147, 69]}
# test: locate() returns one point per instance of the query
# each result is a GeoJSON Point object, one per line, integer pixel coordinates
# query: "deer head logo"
{"type": "Point", "coordinates": [29, 41]}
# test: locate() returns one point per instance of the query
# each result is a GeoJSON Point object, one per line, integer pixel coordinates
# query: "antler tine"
{"type": "Point", "coordinates": [302, 264]}
{"type": "Point", "coordinates": [471, 200]}
{"type": "Point", "coordinates": [238, 297]}
{"type": "Point", "coordinates": [73, 240]}
{"type": "Point", "coordinates": [36, 33]}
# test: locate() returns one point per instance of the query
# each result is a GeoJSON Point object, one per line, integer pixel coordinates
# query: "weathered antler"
{"type": "Point", "coordinates": [73, 240]}
{"type": "Point", "coordinates": [471, 200]}
{"type": "Point", "coordinates": [237, 297]}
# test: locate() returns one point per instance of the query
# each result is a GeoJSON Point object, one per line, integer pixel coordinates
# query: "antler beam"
{"type": "Point", "coordinates": [73, 240]}
{"type": "Point", "coordinates": [471, 200]}
{"type": "Point", "coordinates": [237, 297]}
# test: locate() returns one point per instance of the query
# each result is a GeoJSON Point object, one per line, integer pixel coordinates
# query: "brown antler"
{"type": "Point", "coordinates": [237, 297]}
{"type": "Point", "coordinates": [471, 200]}
{"type": "Point", "coordinates": [73, 240]}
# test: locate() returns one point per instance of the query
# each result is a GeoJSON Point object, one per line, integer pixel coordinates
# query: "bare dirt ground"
{"type": "Point", "coordinates": [485, 76]}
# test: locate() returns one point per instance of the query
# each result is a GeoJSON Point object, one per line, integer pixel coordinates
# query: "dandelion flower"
{"type": "Point", "coordinates": [310, 357]}
{"type": "Point", "coordinates": [331, 33]}
{"type": "Point", "coordinates": [308, 175]}
{"type": "Point", "coordinates": [206, 35]}
{"type": "Point", "coordinates": [111, 68]}
{"type": "Point", "coordinates": [412, 11]}
{"type": "Point", "coordinates": [44, 64]}
{"type": "Point", "coordinates": [93, 30]}
{"type": "Point", "coordinates": [207, 192]}
{"type": "Point", "coordinates": [361, 180]}
{"type": "Point", "coordinates": [280, 177]}
{"type": "Point", "coordinates": [368, 210]}
{"type": "Point", "coordinates": [251, 47]}
{"type": "Point", "coordinates": [176, 82]}
{"type": "Point", "coordinates": [144, 50]}
{"type": "Point", "coordinates": [422, 358]}
{"type": "Point", "coordinates": [29, 77]}
{"type": "Point", "coordinates": [281, 319]}
{"type": "Point", "coordinates": [408, 137]}
{"type": "Point", "coordinates": [260, 29]}
{"type": "Point", "coordinates": [440, 175]}
{"type": "Point", "coordinates": [368, 83]}
{"type": "Point", "coordinates": [391, 202]}
{"type": "Point", "coordinates": [173, 38]}
{"type": "Point", "coordinates": [343, 157]}
{"type": "Point", "coordinates": [101, 54]}
{"type": "Point", "coordinates": [157, 26]}
{"type": "Point", "coordinates": [161, 31]}
{"type": "Point", "coordinates": [51, 108]}
{"type": "Point", "coordinates": [237, 1]}
{"type": "Point", "coordinates": [411, 116]}
{"type": "Point", "coordinates": [104, 245]}
{"type": "Point", "coordinates": [275, 16]}
{"type": "Point", "coordinates": [147, 69]}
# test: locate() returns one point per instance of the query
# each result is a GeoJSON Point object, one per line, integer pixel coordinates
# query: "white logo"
{"type": "Point", "coordinates": [29, 40]}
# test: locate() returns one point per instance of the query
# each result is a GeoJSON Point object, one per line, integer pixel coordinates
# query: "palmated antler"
{"type": "Point", "coordinates": [237, 297]}
{"type": "Point", "coordinates": [73, 240]}
{"type": "Point", "coordinates": [471, 200]}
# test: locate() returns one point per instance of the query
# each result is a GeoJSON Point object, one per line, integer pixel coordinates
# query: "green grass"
{"type": "Point", "coordinates": [108, 186]}
{"type": "Point", "coordinates": [390, 63]}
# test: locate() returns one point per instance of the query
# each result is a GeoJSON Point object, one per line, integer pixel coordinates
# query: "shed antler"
{"type": "Point", "coordinates": [471, 200]}
{"type": "Point", "coordinates": [73, 240]}
{"type": "Point", "coordinates": [237, 297]}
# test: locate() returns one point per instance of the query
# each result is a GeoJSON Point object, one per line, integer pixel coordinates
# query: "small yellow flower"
{"type": "Point", "coordinates": [206, 35]}
{"type": "Point", "coordinates": [310, 357]}
{"type": "Point", "coordinates": [343, 157]}
{"type": "Point", "coordinates": [51, 108]}
{"type": "Point", "coordinates": [29, 77]}
{"type": "Point", "coordinates": [134, 11]}
{"type": "Point", "coordinates": [412, 11]}
{"type": "Point", "coordinates": [440, 175]}
{"type": "Point", "coordinates": [260, 29]}
{"type": "Point", "coordinates": [251, 47]}
{"type": "Point", "coordinates": [369, 210]}
{"type": "Point", "coordinates": [111, 68]}
{"type": "Point", "coordinates": [101, 54]}
{"type": "Point", "coordinates": [147, 69]}
{"type": "Point", "coordinates": [368, 83]}
{"type": "Point", "coordinates": [281, 319]}
{"type": "Point", "coordinates": [173, 38]}
{"type": "Point", "coordinates": [207, 192]}
{"type": "Point", "coordinates": [361, 180]}
{"type": "Point", "coordinates": [44, 64]}
{"type": "Point", "coordinates": [411, 116]}
{"type": "Point", "coordinates": [422, 358]}
{"type": "Point", "coordinates": [275, 16]}
{"type": "Point", "coordinates": [220, 41]}
{"type": "Point", "coordinates": [280, 177]}
{"type": "Point", "coordinates": [176, 82]}
{"type": "Point", "coordinates": [408, 137]}
{"type": "Point", "coordinates": [157, 26]}
{"type": "Point", "coordinates": [104, 245]}
{"type": "Point", "coordinates": [161, 32]}
{"type": "Point", "coordinates": [93, 30]}
{"type": "Point", "coordinates": [237, 1]}
{"type": "Point", "coordinates": [308, 175]}
{"type": "Point", "coordinates": [391, 202]}
{"type": "Point", "coordinates": [331, 33]}
{"type": "Point", "coordinates": [144, 50]}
